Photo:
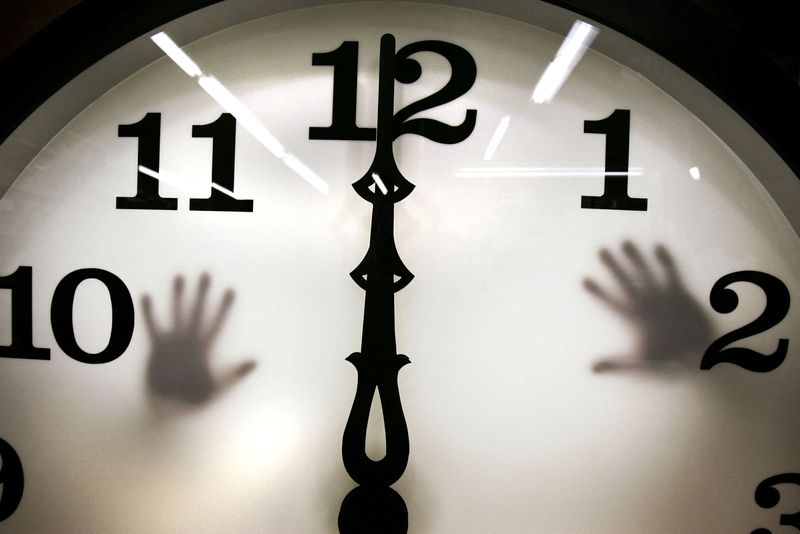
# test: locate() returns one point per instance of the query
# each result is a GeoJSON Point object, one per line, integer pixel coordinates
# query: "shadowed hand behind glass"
{"type": "Point", "coordinates": [671, 326]}
{"type": "Point", "coordinates": [179, 367]}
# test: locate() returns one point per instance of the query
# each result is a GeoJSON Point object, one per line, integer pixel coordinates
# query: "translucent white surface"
{"type": "Point", "coordinates": [510, 429]}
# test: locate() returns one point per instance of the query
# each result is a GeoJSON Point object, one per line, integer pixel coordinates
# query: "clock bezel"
{"type": "Point", "coordinates": [676, 45]}
{"type": "Point", "coordinates": [794, 183]}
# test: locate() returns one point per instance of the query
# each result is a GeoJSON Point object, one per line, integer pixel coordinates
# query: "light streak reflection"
{"type": "Point", "coordinates": [239, 110]}
{"type": "Point", "coordinates": [498, 135]}
{"type": "Point", "coordinates": [541, 172]}
{"type": "Point", "coordinates": [569, 54]}
{"type": "Point", "coordinates": [171, 179]}
{"type": "Point", "coordinates": [379, 183]}
{"type": "Point", "coordinates": [168, 46]}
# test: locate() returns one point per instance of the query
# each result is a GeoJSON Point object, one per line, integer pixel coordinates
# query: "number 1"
{"type": "Point", "coordinates": [617, 128]}
{"type": "Point", "coordinates": [344, 61]}
{"type": "Point", "coordinates": [148, 131]}
{"type": "Point", "coordinates": [223, 133]}
{"type": "Point", "coordinates": [20, 284]}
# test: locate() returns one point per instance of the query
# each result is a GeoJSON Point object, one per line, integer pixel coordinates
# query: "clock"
{"type": "Point", "coordinates": [398, 266]}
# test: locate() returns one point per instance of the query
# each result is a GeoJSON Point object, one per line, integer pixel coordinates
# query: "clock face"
{"type": "Point", "coordinates": [599, 324]}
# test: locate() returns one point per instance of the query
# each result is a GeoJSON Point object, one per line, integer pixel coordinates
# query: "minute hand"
{"type": "Point", "coordinates": [378, 362]}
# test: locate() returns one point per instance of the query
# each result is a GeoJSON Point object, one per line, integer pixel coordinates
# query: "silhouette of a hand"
{"type": "Point", "coordinates": [179, 367]}
{"type": "Point", "coordinates": [671, 326]}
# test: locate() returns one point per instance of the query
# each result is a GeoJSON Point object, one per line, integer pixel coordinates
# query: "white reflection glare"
{"type": "Point", "coordinates": [694, 172]}
{"type": "Point", "coordinates": [305, 173]}
{"type": "Point", "coordinates": [171, 179]}
{"type": "Point", "coordinates": [494, 142]}
{"type": "Point", "coordinates": [537, 172]}
{"type": "Point", "coordinates": [222, 189]}
{"type": "Point", "coordinates": [179, 182]}
{"type": "Point", "coordinates": [262, 448]}
{"type": "Point", "coordinates": [569, 54]}
{"type": "Point", "coordinates": [379, 183]}
{"type": "Point", "coordinates": [243, 115]}
{"type": "Point", "coordinates": [241, 112]}
{"type": "Point", "coordinates": [177, 55]}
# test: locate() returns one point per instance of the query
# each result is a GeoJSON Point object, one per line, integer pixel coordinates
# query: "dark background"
{"type": "Point", "coordinates": [22, 18]}
{"type": "Point", "coordinates": [744, 51]}
{"type": "Point", "coordinates": [768, 25]}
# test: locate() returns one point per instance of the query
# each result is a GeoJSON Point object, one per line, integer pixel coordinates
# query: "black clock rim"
{"type": "Point", "coordinates": [677, 30]}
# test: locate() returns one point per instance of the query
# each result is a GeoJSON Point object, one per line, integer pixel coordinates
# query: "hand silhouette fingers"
{"type": "Point", "coordinates": [623, 278]}
{"type": "Point", "coordinates": [232, 375]}
{"type": "Point", "coordinates": [665, 258]}
{"type": "Point", "coordinates": [149, 320]}
{"type": "Point", "coordinates": [199, 302]}
{"type": "Point", "coordinates": [618, 306]}
{"type": "Point", "coordinates": [633, 254]}
{"type": "Point", "coordinates": [615, 364]}
{"type": "Point", "coordinates": [177, 302]}
{"type": "Point", "coordinates": [221, 315]}
{"type": "Point", "coordinates": [245, 368]}
{"type": "Point", "coordinates": [628, 363]}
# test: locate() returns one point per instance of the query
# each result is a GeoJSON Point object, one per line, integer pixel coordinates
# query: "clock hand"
{"type": "Point", "coordinates": [671, 326]}
{"type": "Point", "coordinates": [178, 366]}
{"type": "Point", "coordinates": [374, 506]}
{"type": "Point", "coordinates": [378, 362]}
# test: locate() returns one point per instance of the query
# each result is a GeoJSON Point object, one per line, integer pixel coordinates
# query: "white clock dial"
{"type": "Point", "coordinates": [569, 366]}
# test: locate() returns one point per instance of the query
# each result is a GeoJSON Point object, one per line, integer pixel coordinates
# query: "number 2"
{"type": "Point", "coordinates": [725, 300]}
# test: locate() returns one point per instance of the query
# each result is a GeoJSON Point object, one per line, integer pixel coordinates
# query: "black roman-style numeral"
{"type": "Point", "coordinates": [617, 129]}
{"type": "Point", "coordinates": [21, 346]}
{"type": "Point", "coordinates": [768, 496]}
{"type": "Point", "coordinates": [344, 61]}
{"type": "Point", "coordinates": [222, 132]}
{"type": "Point", "coordinates": [374, 506]}
{"type": "Point", "coordinates": [724, 300]}
{"type": "Point", "coordinates": [148, 132]}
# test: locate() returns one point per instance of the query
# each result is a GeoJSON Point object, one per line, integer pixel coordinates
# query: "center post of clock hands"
{"type": "Point", "coordinates": [374, 506]}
